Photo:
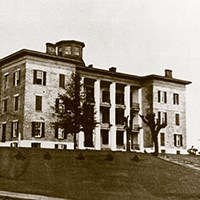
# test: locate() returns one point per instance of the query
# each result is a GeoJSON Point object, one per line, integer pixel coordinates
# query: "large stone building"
{"type": "Point", "coordinates": [31, 82]}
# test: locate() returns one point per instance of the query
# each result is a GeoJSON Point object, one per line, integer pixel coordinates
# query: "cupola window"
{"type": "Point", "coordinates": [68, 50]}
{"type": "Point", "coordinates": [76, 51]}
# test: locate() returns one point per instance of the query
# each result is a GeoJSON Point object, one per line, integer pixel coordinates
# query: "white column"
{"type": "Point", "coordinates": [97, 114]}
{"type": "Point", "coordinates": [81, 137]}
{"type": "Point", "coordinates": [19, 139]}
{"type": "Point", "coordinates": [112, 134]}
{"type": "Point", "coordinates": [127, 90]}
{"type": "Point", "coordinates": [141, 135]}
{"type": "Point", "coordinates": [81, 140]}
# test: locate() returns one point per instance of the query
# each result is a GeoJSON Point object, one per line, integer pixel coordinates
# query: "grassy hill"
{"type": "Point", "coordinates": [86, 175]}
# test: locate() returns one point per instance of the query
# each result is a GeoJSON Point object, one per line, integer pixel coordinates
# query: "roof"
{"type": "Point", "coordinates": [69, 42]}
{"type": "Point", "coordinates": [166, 79]}
{"type": "Point", "coordinates": [81, 66]}
{"type": "Point", "coordinates": [26, 52]}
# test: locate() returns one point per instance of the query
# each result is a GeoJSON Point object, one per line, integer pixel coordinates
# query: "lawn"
{"type": "Point", "coordinates": [86, 175]}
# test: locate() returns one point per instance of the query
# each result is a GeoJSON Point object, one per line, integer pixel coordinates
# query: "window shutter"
{"type": "Point", "coordinates": [65, 134]}
{"type": "Point", "coordinates": [34, 76]}
{"type": "Point", "coordinates": [165, 97]}
{"type": "Point", "coordinates": [56, 130]}
{"type": "Point", "coordinates": [19, 76]}
{"type": "Point", "coordinates": [177, 99]}
{"type": "Point", "coordinates": [158, 96]}
{"type": "Point", "coordinates": [174, 139]}
{"type": "Point", "coordinates": [14, 78]}
{"type": "Point", "coordinates": [43, 129]}
{"type": "Point", "coordinates": [181, 140]}
{"type": "Point", "coordinates": [44, 78]}
{"type": "Point", "coordinates": [17, 129]}
{"type": "Point", "coordinates": [33, 129]}
{"type": "Point", "coordinates": [165, 117]}
{"type": "Point", "coordinates": [12, 130]}
{"type": "Point", "coordinates": [159, 117]}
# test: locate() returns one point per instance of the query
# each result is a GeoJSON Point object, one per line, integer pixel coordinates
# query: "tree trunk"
{"type": "Point", "coordinates": [155, 140]}
{"type": "Point", "coordinates": [88, 138]}
{"type": "Point", "coordinates": [74, 141]}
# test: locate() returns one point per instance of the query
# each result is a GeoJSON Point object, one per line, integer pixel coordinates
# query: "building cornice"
{"type": "Point", "coordinates": [153, 77]}
{"type": "Point", "coordinates": [104, 74]}
{"type": "Point", "coordinates": [26, 52]}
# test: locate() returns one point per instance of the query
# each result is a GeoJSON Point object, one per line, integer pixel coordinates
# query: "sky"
{"type": "Point", "coordinates": [140, 37]}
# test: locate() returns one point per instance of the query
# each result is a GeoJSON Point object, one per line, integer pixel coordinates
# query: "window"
{"type": "Point", "coordinates": [104, 136]}
{"type": "Point", "coordinates": [14, 144]}
{"type": "Point", "coordinates": [162, 97]}
{"type": "Point", "coordinates": [60, 133]}
{"type": "Point", "coordinates": [60, 107]}
{"type": "Point", "coordinates": [16, 102]}
{"type": "Point", "coordinates": [38, 103]}
{"type": "Point", "coordinates": [162, 139]}
{"type": "Point", "coordinates": [76, 51]}
{"type": "Point", "coordinates": [5, 105]}
{"type": "Point", "coordinates": [176, 99]}
{"type": "Point", "coordinates": [105, 115]}
{"type": "Point", "coordinates": [120, 137]}
{"type": "Point", "coordinates": [15, 129]}
{"type": "Point", "coordinates": [106, 96]}
{"type": "Point", "coordinates": [16, 78]}
{"type": "Point", "coordinates": [38, 129]}
{"type": "Point", "coordinates": [162, 117]}
{"type": "Point", "coordinates": [60, 51]}
{"type": "Point", "coordinates": [62, 80]}
{"type": "Point", "coordinates": [177, 119]}
{"type": "Point", "coordinates": [89, 94]}
{"type": "Point", "coordinates": [120, 98]}
{"type": "Point", "coordinates": [68, 50]}
{"type": "Point", "coordinates": [5, 81]}
{"type": "Point", "coordinates": [119, 116]}
{"type": "Point", "coordinates": [35, 145]}
{"type": "Point", "coordinates": [178, 140]}
{"type": "Point", "coordinates": [39, 77]}
{"type": "Point", "coordinates": [60, 146]}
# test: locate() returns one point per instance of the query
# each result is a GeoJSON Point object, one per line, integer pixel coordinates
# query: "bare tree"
{"type": "Point", "coordinates": [155, 126]}
{"type": "Point", "coordinates": [128, 121]}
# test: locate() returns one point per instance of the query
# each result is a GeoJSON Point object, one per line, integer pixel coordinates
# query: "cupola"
{"type": "Point", "coordinates": [70, 49]}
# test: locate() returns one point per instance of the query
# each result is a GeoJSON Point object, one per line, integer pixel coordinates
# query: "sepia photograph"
{"type": "Point", "coordinates": [99, 100]}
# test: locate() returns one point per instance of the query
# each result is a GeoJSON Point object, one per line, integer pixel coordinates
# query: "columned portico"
{"type": "Point", "coordinates": [97, 114]}
{"type": "Point", "coordinates": [112, 135]}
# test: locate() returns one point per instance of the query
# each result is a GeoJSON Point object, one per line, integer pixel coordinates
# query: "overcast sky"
{"type": "Point", "coordinates": [140, 37]}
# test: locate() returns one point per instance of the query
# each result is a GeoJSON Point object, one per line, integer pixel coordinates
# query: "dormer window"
{"type": "Point", "coordinates": [76, 51]}
{"type": "Point", "coordinates": [68, 50]}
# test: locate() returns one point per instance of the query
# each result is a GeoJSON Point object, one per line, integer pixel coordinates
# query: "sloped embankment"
{"type": "Point", "coordinates": [95, 175]}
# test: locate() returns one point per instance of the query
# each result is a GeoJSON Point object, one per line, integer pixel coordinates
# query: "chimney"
{"type": "Point", "coordinates": [50, 48]}
{"type": "Point", "coordinates": [112, 69]}
{"type": "Point", "coordinates": [168, 73]}
{"type": "Point", "coordinates": [90, 65]}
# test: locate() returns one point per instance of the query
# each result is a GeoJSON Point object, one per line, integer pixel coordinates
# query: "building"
{"type": "Point", "coordinates": [31, 82]}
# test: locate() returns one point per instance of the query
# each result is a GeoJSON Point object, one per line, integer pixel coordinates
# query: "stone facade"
{"type": "Point", "coordinates": [30, 84]}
